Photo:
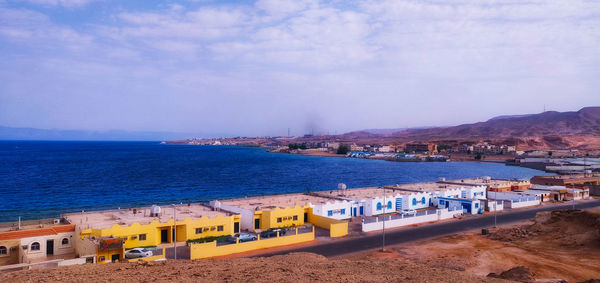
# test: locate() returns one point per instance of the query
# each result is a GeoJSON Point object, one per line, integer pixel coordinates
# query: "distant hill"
{"type": "Point", "coordinates": [10, 133]}
{"type": "Point", "coordinates": [551, 123]}
{"type": "Point", "coordinates": [551, 129]}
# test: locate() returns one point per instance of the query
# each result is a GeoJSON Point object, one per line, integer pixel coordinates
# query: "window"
{"type": "Point", "coordinates": [35, 246]}
{"type": "Point", "coordinates": [101, 258]}
{"type": "Point", "coordinates": [295, 217]}
{"type": "Point", "coordinates": [423, 200]}
{"type": "Point", "coordinates": [65, 241]}
{"type": "Point", "coordinates": [343, 211]}
{"type": "Point", "coordinates": [279, 220]}
{"type": "Point", "coordinates": [442, 202]}
{"type": "Point", "coordinates": [3, 250]}
{"type": "Point", "coordinates": [476, 205]}
{"type": "Point", "coordinates": [389, 205]}
{"type": "Point", "coordinates": [142, 237]}
{"type": "Point", "coordinates": [330, 213]}
{"type": "Point", "coordinates": [378, 206]}
{"type": "Point", "coordinates": [220, 228]}
{"type": "Point", "coordinates": [414, 201]}
{"type": "Point", "coordinates": [198, 230]}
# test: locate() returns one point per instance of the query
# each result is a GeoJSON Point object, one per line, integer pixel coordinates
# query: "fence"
{"type": "Point", "coordinates": [337, 228]}
{"type": "Point", "coordinates": [399, 220]}
{"type": "Point", "coordinates": [210, 249]}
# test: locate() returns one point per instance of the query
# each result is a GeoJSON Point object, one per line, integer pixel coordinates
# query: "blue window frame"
{"type": "Point", "coordinates": [476, 205]}
{"type": "Point", "coordinates": [414, 201]}
{"type": "Point", "coordinates": [389, 205]}
{"type": "Point", "coordinates": [330, 213]}
{"type": "Point", "coordinates": [423, 200]}
{"type": "Point", "coordinates": [378, 206]}
{"type": "Point", "coordinates": [442, 202]}
{"type": "Point", "coordinates": [343, 211]}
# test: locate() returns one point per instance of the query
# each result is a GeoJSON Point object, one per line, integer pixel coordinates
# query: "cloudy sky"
{"type": "Point", "coordinates": [259, 67]}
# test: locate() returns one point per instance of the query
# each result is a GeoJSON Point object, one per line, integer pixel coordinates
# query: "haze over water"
{"type": "Point", "coordinates": [45, 179]}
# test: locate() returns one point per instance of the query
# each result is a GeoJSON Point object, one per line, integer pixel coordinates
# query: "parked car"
{"type": "Point", "coordinates": [245, 237]}
{"type": "Point", "coordinates": [271, 233]}
{"type": "Point", "coordinates": [137, 253]}
{"type": "Point", "coordinates": [409, 212]}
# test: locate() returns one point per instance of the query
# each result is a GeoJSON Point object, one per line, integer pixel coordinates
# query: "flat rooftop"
{"type": "Point", "coordinates": [31, 224]}
{"type": "Point", "coordinates": [107, 218]}
{"type": "Point", "coordinates": [273, 201]}
{"type": "Point", "coordinates": [361, 193]}
{"type": "Point", "coordinates": [486, 182]}
{"type": "Point", "coordinates": [574, 177]}
{"type": "Point", "coordinates": [429, 186]}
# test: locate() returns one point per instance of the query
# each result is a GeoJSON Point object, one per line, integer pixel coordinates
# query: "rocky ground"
{"type": "Point", "coordinates": [556, 246]}
{"type": "Point", "coordinates": [299, 267]}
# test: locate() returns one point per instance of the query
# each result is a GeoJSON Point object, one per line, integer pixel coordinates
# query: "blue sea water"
{"type": "Point", "coordinates": [40, 179]}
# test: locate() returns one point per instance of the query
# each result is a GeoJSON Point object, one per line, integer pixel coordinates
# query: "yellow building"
{"type": "Point", "coordinates": [276, 211]}
{"type": "Point", "coordinates": [152, 226]}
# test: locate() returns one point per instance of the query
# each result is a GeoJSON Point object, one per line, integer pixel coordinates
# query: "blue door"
{"type": "Point", "coordinates": [362, 211]}
{"type": "Point", "coordinates": [399, 204]}
{"type": "Point", "coordinates": [354, 211]}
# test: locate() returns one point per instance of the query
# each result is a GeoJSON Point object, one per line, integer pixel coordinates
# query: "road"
{"type": "Point", "coordinates": [399, 236]}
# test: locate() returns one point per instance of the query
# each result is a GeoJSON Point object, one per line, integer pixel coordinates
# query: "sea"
{"type": "Point", "coordinates": [43, 179]}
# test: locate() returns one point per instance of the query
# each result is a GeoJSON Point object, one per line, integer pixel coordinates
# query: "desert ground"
{"type": "Point", "coordinates": [555, 246]}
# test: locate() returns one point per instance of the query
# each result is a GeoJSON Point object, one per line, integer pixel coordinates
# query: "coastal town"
{"type": "Point", "coordinates": [234, 226]}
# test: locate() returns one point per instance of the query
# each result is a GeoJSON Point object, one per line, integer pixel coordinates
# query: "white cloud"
{"type": "Point", "coordinates": [62, 3]}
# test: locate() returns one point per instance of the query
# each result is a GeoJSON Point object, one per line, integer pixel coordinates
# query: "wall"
{"type": "Point", "coordinates": [247, 216]}
{"type": "Point", "coordinates": [337, 228]}
{"type": "Point", "coordinates": [513, 204]}
{"type": "Point", "coordinates": [186, 230]}
{"type": "Point", "coordinates": [149, 258]}
{"type": "Point", "coordinates": [207, 250]}
{"type": "Point", "coordinates": [84, 247]}
{"type": "Point", "coordinates": [73, 261]}
{"type": "Point", "coordinates": [370, 205]}
{"type": "Point", "coordinates": [439, 214]}
{"type": "Point", "coordinates": [290, 217]}
{"type": "Point", "coordinates": [336, 207]}
{"type": "Point", "coordinates": [407, 200]}
{"type": "Point", "coordinates": [490, 205]}
{"type": "Point", "coordinates": [12, 251]}
{"type": "Point", "coordinates": [59, 248]}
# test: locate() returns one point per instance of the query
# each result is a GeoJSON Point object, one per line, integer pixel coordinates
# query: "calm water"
{"type": "Point", "coordinates": [45, 179]}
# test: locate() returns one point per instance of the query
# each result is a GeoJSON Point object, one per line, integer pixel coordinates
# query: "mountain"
{"type": "Point", "coordinates": [547, 129]}
{"type": "Point", "coordinates": [10, 133]}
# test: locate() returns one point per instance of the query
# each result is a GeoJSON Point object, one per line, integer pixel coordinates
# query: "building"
{"type": "Point", "coordinates": [114, 231]}
{"type": "Point", "coordinates": [562, 193]}
{"type": "Point", "coordinates": [275, 211]}
{"type": "Point", "coordinates": [420, 147]}
{"type": "Point", "coordinates": [589, 181]}
{"type": "Point", "coordinates": [494, 185]}
{"type": "Point", "coordinates": [515, 199]}
{"type": "Point", "coordinates": [376, 201]}
{"type": "Point", "coordinates": [452, 196]}
{"type": "Point", "coordinates": [36, 241]}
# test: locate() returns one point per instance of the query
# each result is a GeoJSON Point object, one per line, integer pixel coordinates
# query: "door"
{"type": "Point", "coordinates": [236, 227]}
{"type": "Point", "coordinates": [257, 223]}
{"type": "Point", "coordinates": [354, 211]}
{"type": "Point", "coordinates": [115, 258]}
{"type": "Point", "coordinates": [49, 247]}
{"type": "Point", "coordinates": [398, 204]}
{"type": "Point", "coordinates": [164, 236]}
{"type": "Point", "coordinates": [305, 217]}
{"type": "Point", "coordinates": [362, 210]}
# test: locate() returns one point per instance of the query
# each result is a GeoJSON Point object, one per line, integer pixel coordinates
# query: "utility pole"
{"type": "Point", "coordinates": [384, 206]}
{"type": "Point", "coordinates": [495, 205]}
{"type": "Point", "coordinates": [174, 231]}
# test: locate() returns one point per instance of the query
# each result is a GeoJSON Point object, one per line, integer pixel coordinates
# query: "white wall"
{"type": "Point", "coordinates": [439, 214]}
{"type": "Point", "coordinates": [407, 200]}
{"type": "Point", "coordinates": [512, 204]}
{"type": "Point", "coordinates": [476, 192]}
{"type": "Point", "coordinates": [336, 207]}
{"type": "Point", "coordinates": [59, 248]}
{"type": "Point", "coordinates": [498, 207]}
{"type": "Point", "coordinates": [247, 216]}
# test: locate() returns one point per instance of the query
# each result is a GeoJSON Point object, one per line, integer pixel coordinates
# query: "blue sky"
{"type": "Point", "coordinates": [259, 67]}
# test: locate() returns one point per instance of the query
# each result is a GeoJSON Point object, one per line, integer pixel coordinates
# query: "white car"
{"type": "Point", "coordinates": [409, 212]}
{"type": "Point", "coordinates": [137, 253]}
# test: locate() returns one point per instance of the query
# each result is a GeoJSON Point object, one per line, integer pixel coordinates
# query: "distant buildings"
{"type": "Point", "coordinates": [420, 147]}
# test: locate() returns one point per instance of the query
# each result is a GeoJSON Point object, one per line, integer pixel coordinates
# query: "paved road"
{"type": "Point", "coordinates": [392, 237]}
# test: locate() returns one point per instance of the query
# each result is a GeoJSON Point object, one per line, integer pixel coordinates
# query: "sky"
{"type": "Point", "coordinates": [260, 67]}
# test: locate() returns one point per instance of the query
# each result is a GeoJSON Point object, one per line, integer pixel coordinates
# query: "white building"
{"type": "Point", "coordinates": [515, 199]}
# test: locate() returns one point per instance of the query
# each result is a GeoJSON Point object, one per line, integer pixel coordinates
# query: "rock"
{"type": "Point", "coordinates": [517, 273]}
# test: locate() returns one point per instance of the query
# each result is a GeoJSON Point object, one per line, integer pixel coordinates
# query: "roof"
{"type": "Point", "coordinates": [361, 193]}
{"type": "Point", "coordinates": [431, 186]}
{"type": "Point", "coordinates": [20, 234]}
{"type": "Point", "coordinates": [488, 182]}
{"type": "Point", "coordinates": [104, 219]}
{"type": "Point", "coordinates": [273, 201]}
